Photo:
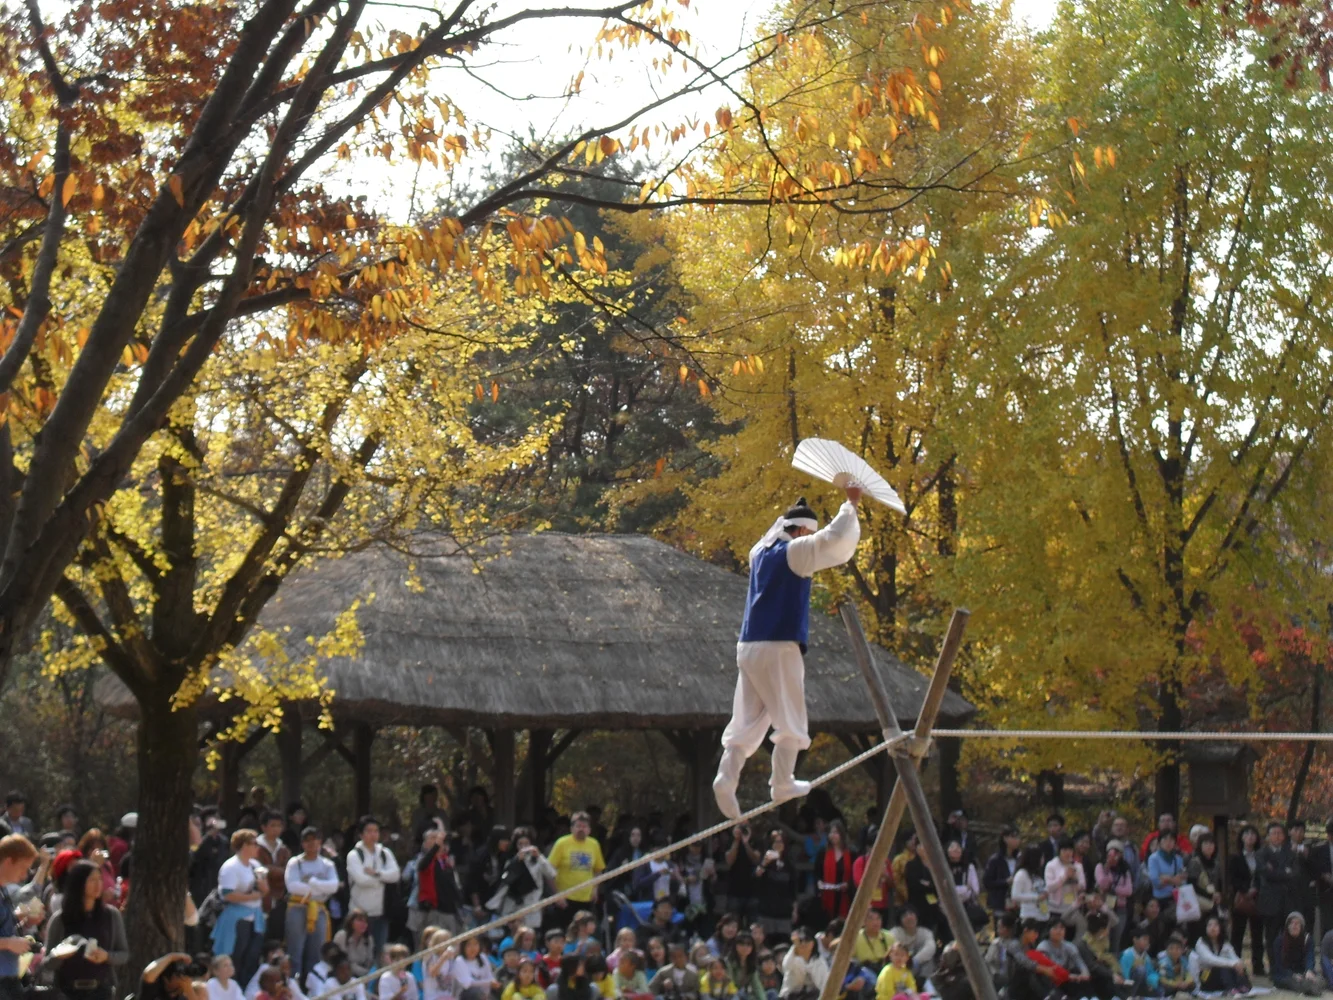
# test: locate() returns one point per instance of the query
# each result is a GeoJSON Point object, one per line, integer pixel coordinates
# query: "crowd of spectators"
{"type": "Point", "coordinates": [280, 910]}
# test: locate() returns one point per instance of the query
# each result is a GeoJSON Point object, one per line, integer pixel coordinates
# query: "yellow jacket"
{"type": "Point", "coordinates": [892, 981]}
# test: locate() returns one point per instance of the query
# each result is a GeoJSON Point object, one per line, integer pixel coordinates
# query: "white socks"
{"type": "Point", "coordinates": [724, 785]}
{"type": "Point", "coordinates": [783, 783]}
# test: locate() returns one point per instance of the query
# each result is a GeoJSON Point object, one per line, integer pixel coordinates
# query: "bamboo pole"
{"type": "Point", "coordinates": [907, 766]}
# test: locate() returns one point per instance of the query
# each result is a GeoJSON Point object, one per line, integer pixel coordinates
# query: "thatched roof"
{"type": "Point", "coordinates": [559, 631]}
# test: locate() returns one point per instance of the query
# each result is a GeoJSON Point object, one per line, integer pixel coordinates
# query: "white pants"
{"type": "Point", "coordinates": [770, 690]}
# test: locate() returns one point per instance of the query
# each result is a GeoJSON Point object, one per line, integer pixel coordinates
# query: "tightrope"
{"type": "Point", "coordinates": [1122, 734]}
{"type": "Point", "coordinates": [606, 876]}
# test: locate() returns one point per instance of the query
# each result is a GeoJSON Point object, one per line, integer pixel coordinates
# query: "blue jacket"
{"type": "Point", "coordinates": [9, 927]}
{"type": "Point", "coordinates": [1127, 959]}
{"type": "Point", "coordinates": [1168, 865]}
{"type": "Point", "coordinates": [777, 607]}
{"type": "Point", "coordinates": [224, 931]}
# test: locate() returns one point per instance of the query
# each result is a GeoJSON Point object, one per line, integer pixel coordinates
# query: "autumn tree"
{"type": "Point", "coordinates": [1159, 366]}
{"type": "Point", "coordinates": [842, 325]}
{"type": "Point", "coordinates": [217, 363]}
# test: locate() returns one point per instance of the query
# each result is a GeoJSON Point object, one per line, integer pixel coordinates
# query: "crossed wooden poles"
{"type": "Point", "coordinates": [908, 795]}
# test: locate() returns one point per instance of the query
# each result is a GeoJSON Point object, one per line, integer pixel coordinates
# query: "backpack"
{"type": "Point", "coordinates": [517, 880]}
{"type": "Point", "coordinates": [210, 909]}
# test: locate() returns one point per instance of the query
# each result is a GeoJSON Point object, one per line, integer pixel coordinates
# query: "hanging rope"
{"type": "Point", "coordinates": [606, 876]}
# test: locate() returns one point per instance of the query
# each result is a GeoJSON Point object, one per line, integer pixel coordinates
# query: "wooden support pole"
{"type": "Point", "coordinates": [534, 774]}
{"type": "Point", "coordinates": [561, 745]}
{"type": "Point", "coordinates": [937, 862]}
{"type": "Point", "coordinates": [289, 754]}
{"type": "Point", "coordinates": [907, 765]}
{"type": "Point", "coordinates": [502, 776]}
{"type": "Point", "coordinates": [363, 738]}
{"type": "Point", "coordinates": [700, 751]}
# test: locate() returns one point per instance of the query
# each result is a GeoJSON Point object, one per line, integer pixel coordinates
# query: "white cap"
{"type": "Point", "coordinates": [130, 821]}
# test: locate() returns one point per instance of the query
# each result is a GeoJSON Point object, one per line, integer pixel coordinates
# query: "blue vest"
{"type": "Point", "coordinates": [777, 608]}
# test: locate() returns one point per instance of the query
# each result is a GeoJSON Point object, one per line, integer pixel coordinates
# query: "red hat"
{"type": "Point", "coordinates": [62, 862]}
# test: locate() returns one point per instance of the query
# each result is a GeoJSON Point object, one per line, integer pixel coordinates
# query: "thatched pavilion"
{"type": "Point", "coordinates": [553, 633]}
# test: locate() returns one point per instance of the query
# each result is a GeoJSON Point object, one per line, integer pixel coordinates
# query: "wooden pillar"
{"type": "Point", "coordinates": [699, 751]}
{"type": "Point", "coordinates": [532, 783]}
{"type": "Point", "coordinates": [502, 776]}
{"type": "Point", "coordinates": [951, 751]}
{"type": "Point", "coordinates": [229, 774]}
{"type": "Point", "coordinates": [705, 749]}
{"type": "Point", "coordinates": [363, 738]}
{"type": "Point", "coordinates": [884, 782]}
{"type": "Point", "coordinates": [289, 755]}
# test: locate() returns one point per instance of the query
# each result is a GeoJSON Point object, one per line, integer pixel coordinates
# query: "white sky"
{"type": "Point", "coordinates": [540, 58]}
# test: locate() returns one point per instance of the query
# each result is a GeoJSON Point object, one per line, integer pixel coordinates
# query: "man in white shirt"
{"type": "Point", "coordinates": [919, 942]}
{"type": "Point", "coordinates": [370, 867]}
{"type": "Point", "coordinates": [770, 679]}
{"type": "Point", "coordinates": [243, 884]}
{"type": "Point", "coordinates": [803, 971]}
{"type": "Point", "coordinates": [311, 881]}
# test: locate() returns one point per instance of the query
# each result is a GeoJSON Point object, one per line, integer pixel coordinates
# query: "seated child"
{"type": "Point", "coordinates": [629, 981]}
{"type": "Point", "coordinates": [896, 979]}
{"type": "Point", "coordinates": [716, 984]}
{"type": "Point", "coordinates": [1173, 971]}
{"type": "Point", "coordinates": [1138, 968]}
{"type": "Point", "coordinates": [770, 976]}
{"type": "Point", "coordinates": [524, 985]}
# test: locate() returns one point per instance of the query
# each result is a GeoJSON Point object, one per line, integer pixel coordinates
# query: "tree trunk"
{"type": "Point", "coordinates": [1166, 797]}
{"type": "Point", "coordinates": [1307, 758]}
{"type": "Point", "coordinates": [1054, 781]}
{"type": "Point", "coordinates": [167, 754]}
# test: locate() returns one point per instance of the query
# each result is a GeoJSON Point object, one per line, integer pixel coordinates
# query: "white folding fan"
{"type": "Point", "coordinates": [831, 462]}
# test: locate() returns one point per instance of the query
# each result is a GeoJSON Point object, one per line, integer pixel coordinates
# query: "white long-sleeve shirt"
{"type": "Point", "coordinates": [798, 973]}
{"type": "Point", "coordinates": [306, 879]}
{"type": "Point", "coordinates": [369, 870]}
{"type": "Point", "coordinates": [1064, 882]}
{"type": "Point", "coordinates": [1207, 958]}
{"type": "Point", "coordinates": [468, 973]}
{"type": "Point", "coordinates": [832, 545]}
{"type": "Point", "coordinates": [1026, 892]}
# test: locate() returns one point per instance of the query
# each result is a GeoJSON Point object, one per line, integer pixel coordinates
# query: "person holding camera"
{"type": "Point", "coordinates": [775, 888]}
{"type": "Point", "coordinates": [736, 872]}
{"type": "Point", "coordinates": [87, 973]}
{"type": "Point", "coordinates": [439, 892]}
{"type": "Point", "coordinates": [803, 971]}
{"type": "Point", "coordinates": [524, 879]}
{"type": "Point", "coordinates": [16, 857]}
{"type": "Point", "coordinates": [243, 884]}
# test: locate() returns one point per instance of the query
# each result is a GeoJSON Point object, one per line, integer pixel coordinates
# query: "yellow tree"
{"type": "Point", "coordinates": [200, 320]}
{"type": "Point", "coordinates": [1157, 365]}
{"type": "Point", "coordinates": [842, 323]}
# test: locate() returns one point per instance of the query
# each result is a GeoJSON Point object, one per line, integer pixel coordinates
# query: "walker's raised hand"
{"type": "Point", "coordinates": [854, 492]}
